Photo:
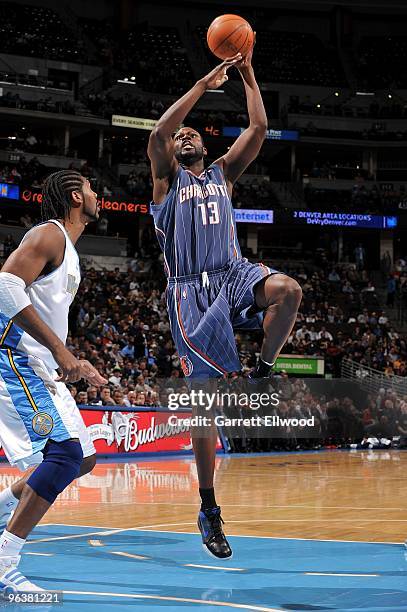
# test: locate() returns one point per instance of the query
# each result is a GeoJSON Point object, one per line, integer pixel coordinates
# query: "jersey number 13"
{"type": "Point", "coordinates": [209, 212]}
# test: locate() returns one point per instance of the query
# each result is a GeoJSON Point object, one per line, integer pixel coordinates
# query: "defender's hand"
{"type": "Point", "coordinates": [70, 369]}
{"type": "Point", "coordinates": [90, 373]}
{"type": "Point", "coordinates": [218, 75]}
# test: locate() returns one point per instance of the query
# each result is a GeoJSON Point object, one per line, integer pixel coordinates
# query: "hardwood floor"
{"type": "Point", "coordinates": [326, 495]}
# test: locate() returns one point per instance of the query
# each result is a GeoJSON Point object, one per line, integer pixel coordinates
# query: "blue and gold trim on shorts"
{"type": "Point", "coordinates": [6, 332]}
{"type": "Point", "coordinates": [31, 399]}
{"type": "Point", "coordinates": [10, 333]}
{"type": "Point", "coordinates": [42, 422]}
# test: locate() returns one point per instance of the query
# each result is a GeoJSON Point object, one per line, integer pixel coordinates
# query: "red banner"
{"type": "Point", "coordinates": [115, 432]}
{"type": "Point", "coordinates": [136, 432]}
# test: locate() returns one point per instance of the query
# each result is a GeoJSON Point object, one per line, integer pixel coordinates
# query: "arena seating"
{"type": "Point", "coordinates": [36, 31]}
{"type": "Point", "coordinates": [119, 323]}
{"type": "Point", "coordinates": [381, 61]}
{"type": "Point", "coordinates": [104, 36]}
{"type": "Point", "coordinates": [291, 57]}
{"type": "Point", "coordinates": [340, 315]}
{"type": "Point", "coordinates": [139, 51]}
{"type": "Point", "coordinates": [380, 107]}
{"type": "Point", "coordinates": [294, 57]}
{"type": "Point", "coordinates": [364, 196]}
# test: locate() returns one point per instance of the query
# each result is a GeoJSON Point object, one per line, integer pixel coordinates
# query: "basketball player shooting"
{"type": "Point", "coordinates": [41, 428]}
{"type": "Point", "coordinates": [212, 289]}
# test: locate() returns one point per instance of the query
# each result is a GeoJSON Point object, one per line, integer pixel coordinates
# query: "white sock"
{"type": "Point", "coordinates": [10, 544]}
{"type": "Point", "coordinates": [7, 499]}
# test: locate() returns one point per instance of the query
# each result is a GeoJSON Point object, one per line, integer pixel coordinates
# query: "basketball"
{"type": "Point", "coordinates": [228, 35]}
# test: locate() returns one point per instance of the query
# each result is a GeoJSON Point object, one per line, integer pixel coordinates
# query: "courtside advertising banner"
{"type": "Point", "coordinates": [116, 431]}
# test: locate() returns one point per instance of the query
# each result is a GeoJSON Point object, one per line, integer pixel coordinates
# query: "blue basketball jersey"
{"type": "Point", "coordinates": [195, 224]}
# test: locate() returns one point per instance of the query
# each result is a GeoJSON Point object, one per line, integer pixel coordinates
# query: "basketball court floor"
{"type": "Point", "coordinates": [310, 531]}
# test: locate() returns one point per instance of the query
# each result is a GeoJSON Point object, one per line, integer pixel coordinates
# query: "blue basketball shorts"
{"type": "Point", "coordinates": [205, 309]}
{"type": "Point", "coordinates": [34, 408]}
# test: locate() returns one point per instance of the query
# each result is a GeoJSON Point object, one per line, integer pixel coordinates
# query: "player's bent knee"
{"type": "Point", "coordinates": [293, 289]}
{"type": "Point", "coordinates": [280, 288]}
{"type": "Point", "coordinates": [61, 465]}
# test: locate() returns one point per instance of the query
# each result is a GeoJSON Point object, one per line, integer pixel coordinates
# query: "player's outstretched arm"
{"type": "Point", "coordinates": [246, 148]}
{"type": "Point", "coordinates": [43, 246]}
{"type": "Point", "coordinates": [161, 146]}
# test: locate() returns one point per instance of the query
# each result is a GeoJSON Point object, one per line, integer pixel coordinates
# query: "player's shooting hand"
{"type": "Point", "coordinates": [246, 61]}
{"type": "Point", "coordinates": [218, 75]}
{"type": "Point", "coordinates": [90, 373]}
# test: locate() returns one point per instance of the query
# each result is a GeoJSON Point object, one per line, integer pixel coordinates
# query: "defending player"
{"type": "Point", "coordinates": [40, 424]}
{"type": "Point", "coordinates": [211, 288]}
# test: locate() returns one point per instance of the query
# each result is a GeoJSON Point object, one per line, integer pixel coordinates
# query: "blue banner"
{"type": "Point", "coordinates": [271, 134]}
{"type": "Point", "coordinates": [342, 219]}
{"type": "Point", "coordinates": [246, 215]}
{"type": "Point", "coordinates": [12, 192]}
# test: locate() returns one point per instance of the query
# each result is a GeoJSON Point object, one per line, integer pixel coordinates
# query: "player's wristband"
{"type": "Point", "coordinates": [13, 298]}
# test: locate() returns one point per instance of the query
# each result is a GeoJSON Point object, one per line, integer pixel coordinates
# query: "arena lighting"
{"type": "Point", "coordinates": [337, 94]}
{"type": "Point", "coordinates": [126, 81]}
{"type": "Point", "coordinates": [318, 106]}
{"type": "Point", "coordinates": [365, 93]}
{"type": "Point", "coordinates": [389, 96]}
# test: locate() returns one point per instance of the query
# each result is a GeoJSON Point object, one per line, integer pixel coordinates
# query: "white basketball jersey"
{"type": "Point", "coordinates": [52, 295]}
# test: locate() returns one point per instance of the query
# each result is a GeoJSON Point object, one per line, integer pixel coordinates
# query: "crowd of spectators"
{"type": "Point", "coordinates": [256, 193]}
{"type": "Point", "coordinates": [138, 182]}
{"type": "Point", "coordinates": [340, 316]}
{"type": "Point", "coordinates": [47, 104]}
{"type": "Point", "coordinates": [335, 413]}
{"type": "Point", "coordinates": [30, 173]}
{"type": "Point", "coordinates": [339, 169]}
{"type": "Point", "coordinates": [119, 322]}
{"type": "Point", "coordinates": [107, 103]}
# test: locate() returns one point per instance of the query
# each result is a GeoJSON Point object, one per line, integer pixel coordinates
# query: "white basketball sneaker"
{"type": "Point", "coordinates": [11, 578]}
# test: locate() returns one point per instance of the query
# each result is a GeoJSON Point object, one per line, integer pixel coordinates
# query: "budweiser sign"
{"type": "Point", "coordinates": [129, 432]}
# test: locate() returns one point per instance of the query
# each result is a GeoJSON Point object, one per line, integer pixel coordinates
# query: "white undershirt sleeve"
{"type": "Point", "coordinates": [13, 298]}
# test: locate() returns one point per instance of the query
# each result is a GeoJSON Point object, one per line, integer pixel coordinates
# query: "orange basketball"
{"type": "Point", "coordinates": [228, 35]}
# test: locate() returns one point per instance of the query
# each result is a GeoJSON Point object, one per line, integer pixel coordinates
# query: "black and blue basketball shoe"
{"type": "Point", "coordinates": [214, 540]}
